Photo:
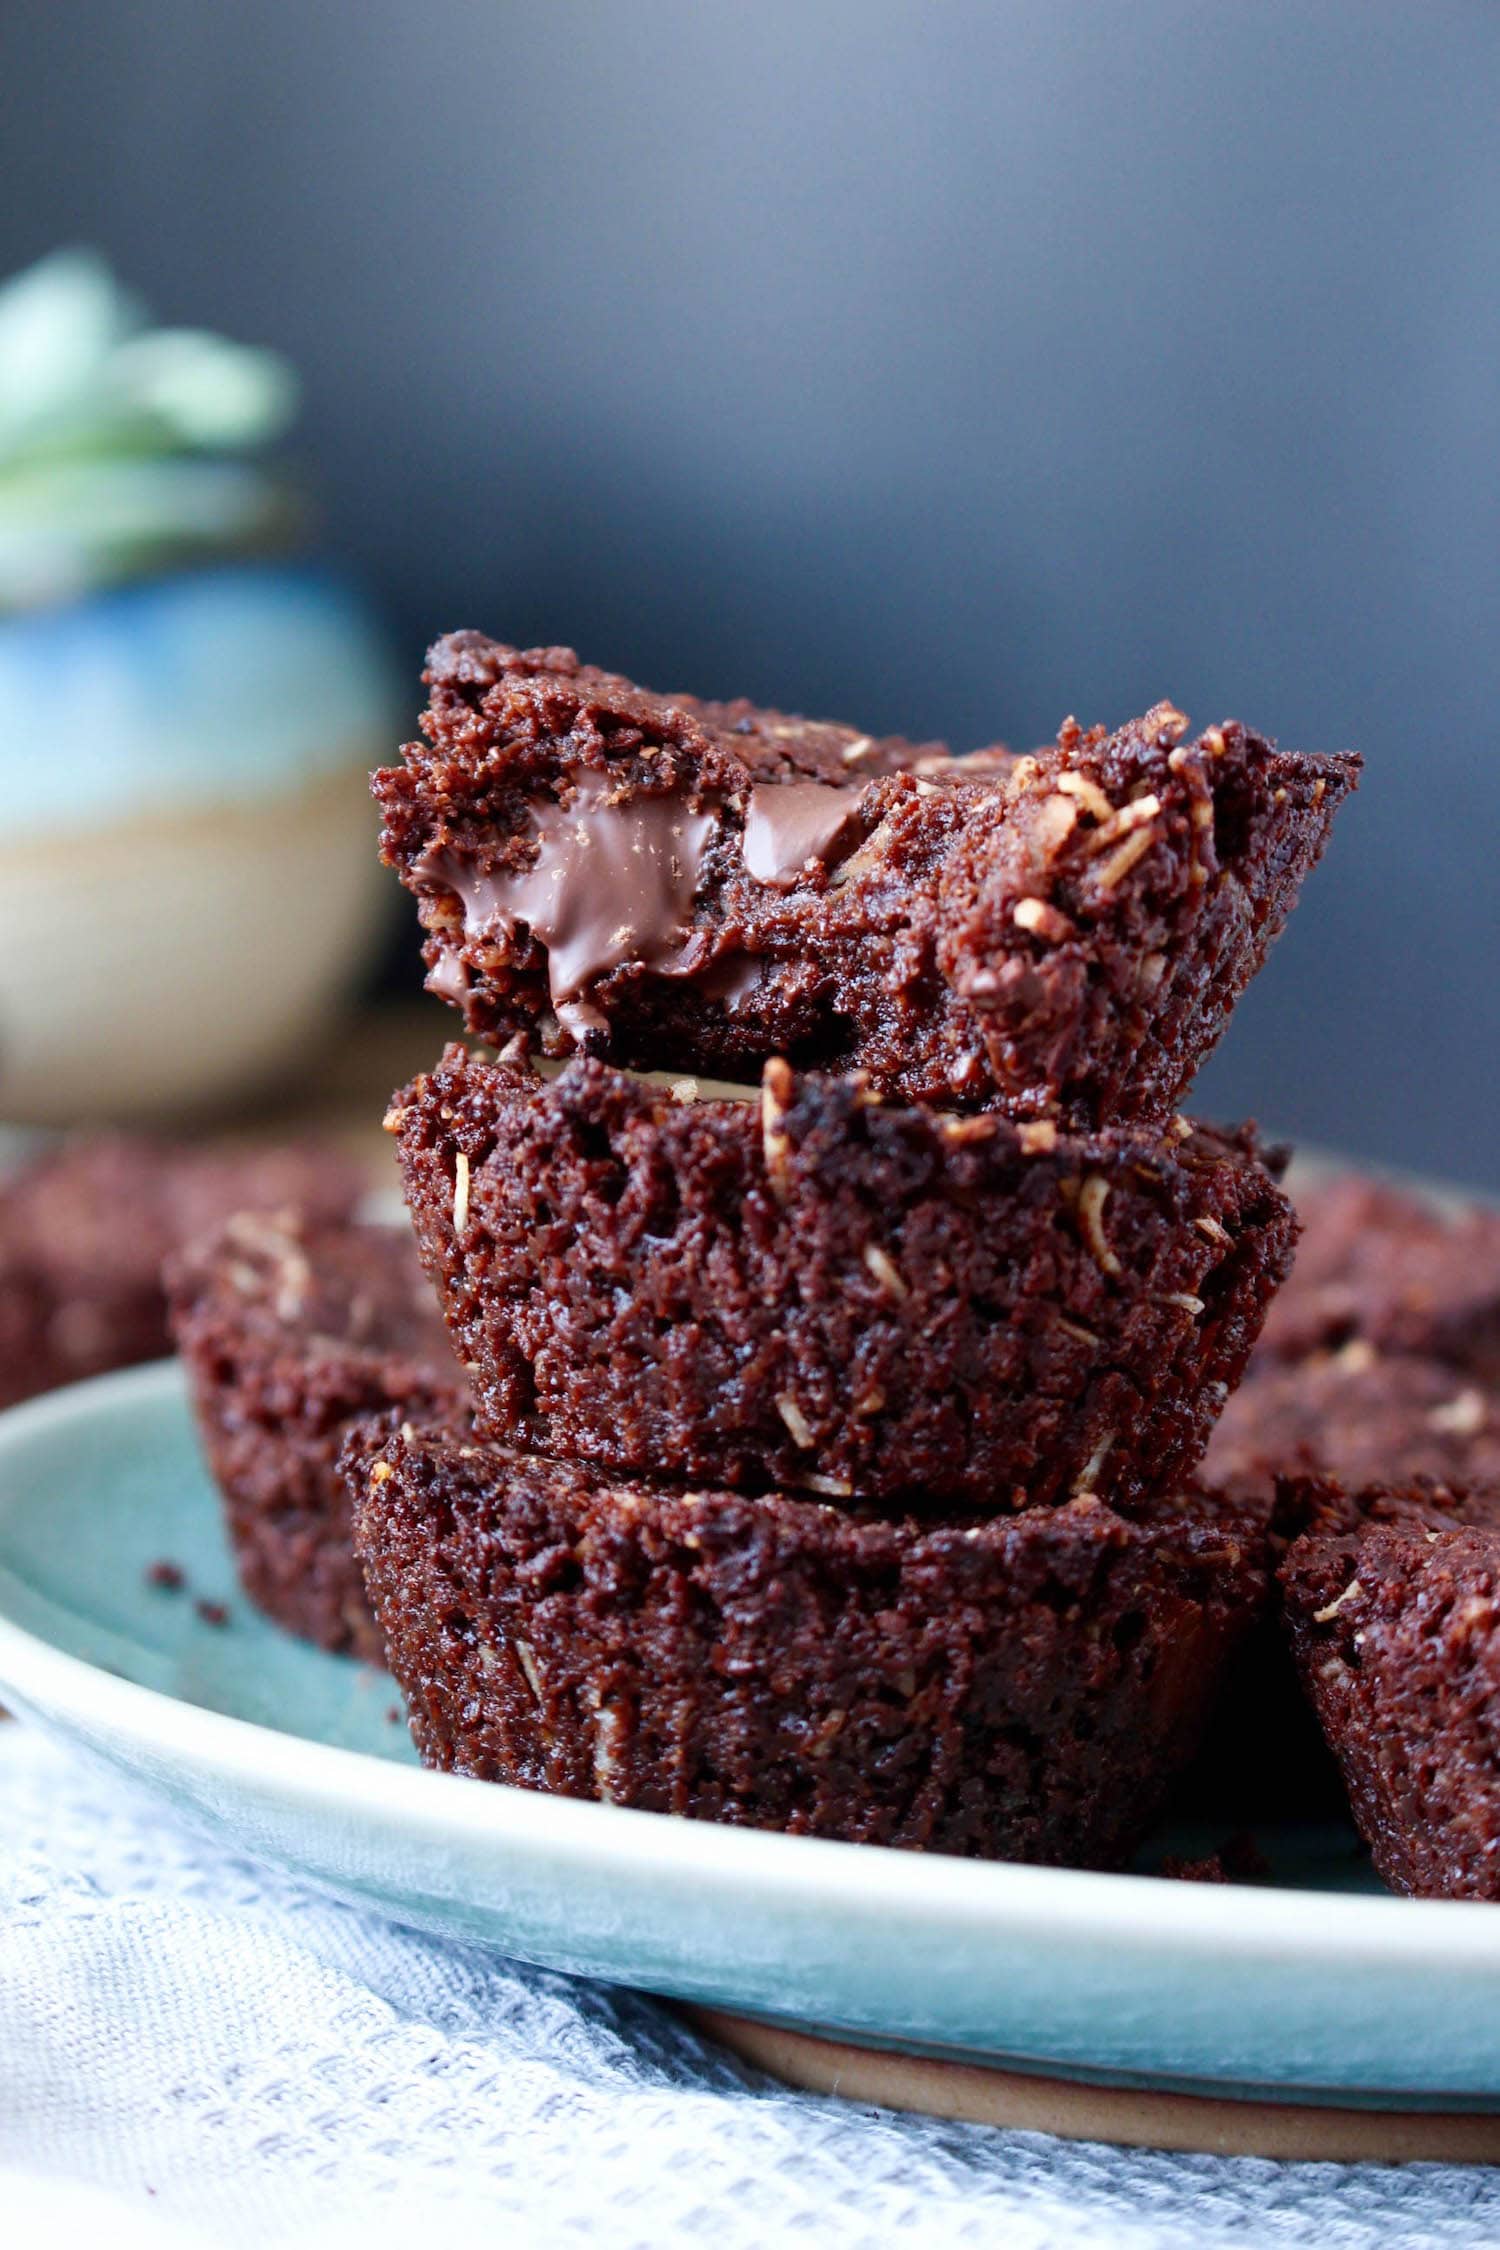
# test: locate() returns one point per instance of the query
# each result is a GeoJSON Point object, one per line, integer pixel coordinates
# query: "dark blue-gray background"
{"type": "Point", "coordinates": [947, 367]}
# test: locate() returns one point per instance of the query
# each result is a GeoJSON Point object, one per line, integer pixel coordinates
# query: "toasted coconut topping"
{"type": "Point", "coordinates": [1092, 1197]}
{"type": "Point", "coordinates": [885, 1270]}
{"type": "Point", "coordinates": [1166, 722]}
{"type": "Point", "coordinates": [1087, 1478]}
{"type": "Point", "coordinates": [1138, 814]}
{"type": "Point", "coordinates": [1088, 793]}
{"type": "Point", "coordinates": [795, 1420]}
{"type": "Point", "coordinates": [526, 1658]}
{"type": "Point", "coordinates": [1041, 919]}
{"type": "Point", "coordinates": [1464, 1416]}
{"type": "Point", "coordinates": [775, 1094]}
{"type": "Point", "coordinates": [1119, 863]}
{"type": "Point", "coordinates": [1351, 1593]}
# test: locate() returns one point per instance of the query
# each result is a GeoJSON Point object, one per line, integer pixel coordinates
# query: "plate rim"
{"type": "Point", "coordinates": [1248, 1922]}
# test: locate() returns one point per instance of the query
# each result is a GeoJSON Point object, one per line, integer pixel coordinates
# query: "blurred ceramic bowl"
{"type": "Point", "coordinates": [188, 874]}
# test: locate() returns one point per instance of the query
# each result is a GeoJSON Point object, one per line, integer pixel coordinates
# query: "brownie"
{"type": "Point", "coordinates": [86, 1225]}
{"type": "Point", "coordinates": [657, 880]}
{"type": "Point", "coordinates": [1395, 1271]}
{"type": "Point", "coordinates": [1354, 1414]}
{"type": "Point", "coordinates": [1362, 1415]}
{"type": "Point", "coordinates": [822, 1290]}
{"type": "Point", "coordinates": [1393, 1605]}
{"type": "Point", "coordinates": [290, 1332]}
{"type": "Point", "coordinates": [1018, 1687]}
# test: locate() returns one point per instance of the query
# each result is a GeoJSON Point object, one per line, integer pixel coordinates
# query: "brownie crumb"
{"type": "Point", "coordinates": [1209, 1870]}
{"type": "Point", "coordinates": [1239, 1859]}
{"type": "Point", "coordinates": [213, 1613]}
{"type": "Point", "coordinates": [393, 1716]}
{"type": "Point", "coordinates": [169, 1576]}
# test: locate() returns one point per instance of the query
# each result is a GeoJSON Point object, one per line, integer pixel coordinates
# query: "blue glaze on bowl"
{"type": "Point", "coordinates": [212, 686]}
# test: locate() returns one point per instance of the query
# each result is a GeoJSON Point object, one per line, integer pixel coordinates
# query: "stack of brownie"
{"type": "Point", "coordinates": [843, 1304]}
{"type": "Point", "coordinates": [818, 1452]}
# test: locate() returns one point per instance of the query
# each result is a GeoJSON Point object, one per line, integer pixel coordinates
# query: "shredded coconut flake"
{"type": "Point", "coordinates": [1350, 1593]}
{"type": "Point", "coordinates": [885, 1270]}
{"type": "Point", "coordinates": [795, 1420]}
{"type": "Point", "coordinates": [1092, 1197]}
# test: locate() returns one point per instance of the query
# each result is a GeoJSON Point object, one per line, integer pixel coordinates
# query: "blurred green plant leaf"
{"type": "Point", "coordinates": [108, 429]}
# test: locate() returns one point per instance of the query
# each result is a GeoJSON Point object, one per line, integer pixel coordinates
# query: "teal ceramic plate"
{"type": "Point", "coordinates": [300, 1758]}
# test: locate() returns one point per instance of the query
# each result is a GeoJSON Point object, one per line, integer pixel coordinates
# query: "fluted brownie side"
{"type": "Point", "coordinates": [824, 1291]}
{"type": "Point", "coordinates": [1392, 1600]}
{"type": "Point", "coordinates": [1023, 1688]}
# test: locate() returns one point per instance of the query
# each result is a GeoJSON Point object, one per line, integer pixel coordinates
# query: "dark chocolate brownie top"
{"type": "Point", "coordinates": [105, 1209]}
{"type": "Point", "coordinates": [1329, 1511]}
{"type": "Point", "coordinates": [319, 1290]}
{"type": "Point", "coordinates": [1361, 1416]}
{"type": "Point", "coordinates": [479, 684]}
{"type": "Point", "coordinates": [702, 886]}
{"type": "Point", "coordinates": [1395, 1270]}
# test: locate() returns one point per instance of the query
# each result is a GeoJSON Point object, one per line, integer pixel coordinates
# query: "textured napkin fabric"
{"type": "Point", "coordinates": [194, 2050]}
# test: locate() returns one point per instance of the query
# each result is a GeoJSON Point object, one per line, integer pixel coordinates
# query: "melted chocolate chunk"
{"type": "Point", "coordinates": [791, 826]}
{"type": "Point", "coordinates": [612, 882]}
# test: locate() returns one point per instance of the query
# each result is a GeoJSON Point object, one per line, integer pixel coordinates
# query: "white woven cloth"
{"type": "Point", "coordinates": [192, 2050]}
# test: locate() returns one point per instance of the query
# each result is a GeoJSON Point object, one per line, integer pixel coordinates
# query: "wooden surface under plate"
{"type": "Point", "coordinates": [1129, 2116]}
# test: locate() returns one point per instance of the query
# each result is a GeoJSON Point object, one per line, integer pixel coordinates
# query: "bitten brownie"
{"type": "Point", "coordinates": [1020, 1688]}
{"type": "Point", "coordinates": [1392, 1271]}
{"type": "Point", "coordinates": [659, 880]}
{"type": "Point", "coordinates": [819, 1290]}
{"type": "Point", "coordinates": [85, 1226]}
{"type": "Point", "coordinates": [1393, 1603]}
{"type": "Point", "coordinates": [290, 1333]}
